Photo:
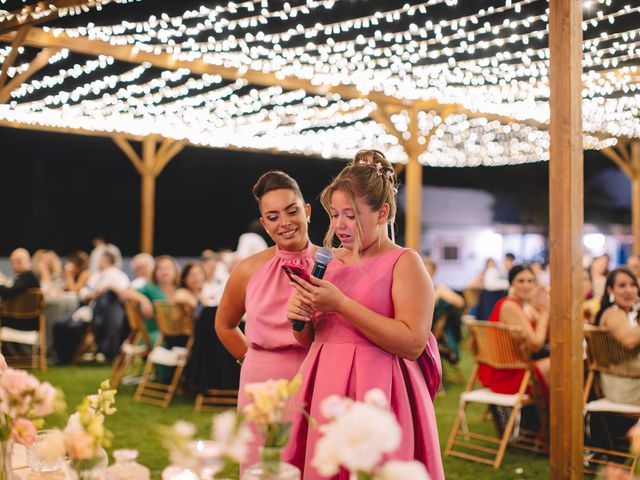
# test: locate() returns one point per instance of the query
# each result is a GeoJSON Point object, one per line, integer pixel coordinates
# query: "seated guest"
{"type": "Point", "coordinates": [100, 245]}
{"type": "Point", "coordinates": [190, 291]}
{"type": "Point", "coordinates": [216, 275]}
{"type": "Point", "coordinates": [48, 268]}
{"type": "Point", "coordinates": [523, 307]}
{"type": "Point", "coordinates": [25, 278]}
{"type": "Point", "coordinates": [496, 285]}
{"type": "Point", "coordinates": [162, 287]}
{"type": "Point", "coordinates": [166, 275]}
{"type": "Point", "coordinates": [619, 315]}
{"type": "Point", "coordinates": [76, 271]}
{"type": "Point", "coordinates": [142, 266]}
{"type": "Point", "coordinates": [105, 313]}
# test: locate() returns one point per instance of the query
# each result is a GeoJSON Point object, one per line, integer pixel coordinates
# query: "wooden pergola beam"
{"type": "Point", "coordinates": [149, 166]}
{"type": "Point", "coordinates": [41, 60]}
{"type": "Point", "coordinates": [16, 42]}
{"type": "Point", "coordinates": [129, 151]}
{"type": "Point", "coordinates": [622, 164]}
{"type": "Point", "coordinates": [566, 204]}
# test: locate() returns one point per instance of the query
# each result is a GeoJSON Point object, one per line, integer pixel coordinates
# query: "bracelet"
{"type": "Point", "coordinates": [240, 360]}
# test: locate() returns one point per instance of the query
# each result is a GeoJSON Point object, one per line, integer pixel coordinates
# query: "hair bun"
{"type": "Point", "coordinates": [375, 160]}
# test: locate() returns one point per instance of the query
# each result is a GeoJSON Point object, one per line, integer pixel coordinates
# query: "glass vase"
{"type": "Point", "coordinates": [6, 450]}
{"type": "Point", "coordinates": [90, 469]}
{"type": "Point", "coordinates": [271, 467]}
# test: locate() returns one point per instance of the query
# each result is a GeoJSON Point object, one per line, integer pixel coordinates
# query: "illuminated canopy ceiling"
{"type": "Point", "coordinates": [323, 77]}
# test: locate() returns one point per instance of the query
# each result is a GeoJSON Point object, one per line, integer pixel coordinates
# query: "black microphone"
{"type": "Point", "coordinates": [323, 257]}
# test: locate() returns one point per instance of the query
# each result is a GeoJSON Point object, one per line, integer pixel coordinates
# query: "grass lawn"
{"type": "Point", "coordinates": [133, 424]}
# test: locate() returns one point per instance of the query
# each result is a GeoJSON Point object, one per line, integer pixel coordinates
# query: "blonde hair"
{"type": "Point", "coordinates": [369, 176]}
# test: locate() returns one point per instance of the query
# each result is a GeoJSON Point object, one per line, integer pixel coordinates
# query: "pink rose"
{"type": "Point", "coordinates": [17, 382]}
{"type": "Point", "coordinates": [79, 444]}
{"type": "Point", "coordinates": [45, 398]}
{"type": "Point", "coordinates": [24, 432]}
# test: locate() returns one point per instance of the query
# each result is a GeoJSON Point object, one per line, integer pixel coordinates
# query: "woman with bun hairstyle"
{"type": "Point", "coordinates": [368, 321]}
{"type": "Point", "coordinates": [259, 288]}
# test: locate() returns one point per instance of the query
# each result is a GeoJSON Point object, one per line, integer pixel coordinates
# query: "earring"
{"type": "Point", "coordinates": [612, 298]}
{"type": "Point", "coordinates": [379, 235]}
{"type": "Point", "coordinates": [308, 219]}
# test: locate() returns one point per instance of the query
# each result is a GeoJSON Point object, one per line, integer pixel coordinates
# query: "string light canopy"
{"type": "Point", "coordinates": [314, 76]}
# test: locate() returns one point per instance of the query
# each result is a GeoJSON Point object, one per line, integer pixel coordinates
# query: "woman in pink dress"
{"type": "Point", "coordinates": [259, 287]}
{"type": "Point", "coordinates": [369, 320]}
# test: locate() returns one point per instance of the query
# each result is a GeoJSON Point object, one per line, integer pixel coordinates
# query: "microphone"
{"type": "Point", "coordinates": [323, 257]}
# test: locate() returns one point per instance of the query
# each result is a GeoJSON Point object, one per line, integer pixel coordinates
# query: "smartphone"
{"type": "Point", "coordinates": [294, 270]}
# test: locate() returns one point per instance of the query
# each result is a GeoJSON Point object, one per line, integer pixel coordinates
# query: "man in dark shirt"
{"type": "Point", "coordinates": [24, 279]}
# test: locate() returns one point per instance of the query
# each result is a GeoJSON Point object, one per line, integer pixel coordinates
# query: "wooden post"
{"type": "Point", "coordinates": [147, 195]}
{"type": "Point", "coordinates": [149, 167]}
{"type": "Point", "coordinates": [566, 223]}
{"type": "Point", "coordinates": [413, 230]}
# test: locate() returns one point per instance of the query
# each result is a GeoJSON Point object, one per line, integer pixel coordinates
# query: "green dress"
{"type": "Point", "coordinates": [153, 292]}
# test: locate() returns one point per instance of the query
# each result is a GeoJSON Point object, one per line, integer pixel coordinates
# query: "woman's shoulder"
{"type": "Point", "coordinates": [248, 266]}
{"type": "Point", "coordinates": [613, 313]}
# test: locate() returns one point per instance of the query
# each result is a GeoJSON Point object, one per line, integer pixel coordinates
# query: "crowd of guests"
{"type": "Point", "coordinates": [610, 300]}
{"type": "Point", "coordinates": [89, 290]}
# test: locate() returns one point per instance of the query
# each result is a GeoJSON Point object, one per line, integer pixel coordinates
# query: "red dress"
{"type": "Point", "coordinates": [506, 380]}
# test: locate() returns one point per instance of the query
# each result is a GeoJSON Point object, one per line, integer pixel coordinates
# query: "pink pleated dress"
{"type": "Point", "coordinates": [273, 350]}
{"type": "Point", "coordinates": [342, 361]}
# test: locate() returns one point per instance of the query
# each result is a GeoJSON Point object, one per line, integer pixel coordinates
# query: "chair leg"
{"type": "Point", "coordinates": [515, 411]}
{"type": "Point", "coordinates": [120, 366]}
{"type": "Point", "coordinates": [199, 401]}
{"type": "Point", "coordinates": [455, 429]}
{"type": "Point", "coordinates": [177, 375]}
{"type": "Point", "coordinates": [143, 382]}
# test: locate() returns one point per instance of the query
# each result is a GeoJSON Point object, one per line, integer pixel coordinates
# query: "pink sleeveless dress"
{"type": "Point", "coordinates": [273, 350]}
{"type": "Point", "coordinates": [342, 361]}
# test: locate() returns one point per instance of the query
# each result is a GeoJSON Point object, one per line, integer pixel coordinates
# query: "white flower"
{"type": "Point", "coordinates": [333, 406]}
{"type": "Point", "coordinates": [51, 447]}
{"type": "Point", "coordinates": [396, 470]}
{"type": "Point", "coordinates": [376, 397]}
{"type": "Point", "coordinates": [237, 448]}
{"type": "Point", "coordinates": [233, 436]}
{"type": "Point", "coordinates": [326, 458]}
{"type": "Point", "coordinates": [184, 429]}
{"type": "Point", "coordinates": [359, 438]}
{"type": "Point", "coordinates": [224, 426]}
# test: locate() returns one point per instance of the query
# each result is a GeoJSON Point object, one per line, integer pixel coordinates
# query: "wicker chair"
{"type": "Point", "coordinates": [502, 347]}
{"type": "Point", "coordinates": [606, 355]}
{"type": "Point", "coordinates": [28, 305]}
{"type": "Point", "coordinates": [137, 344]}
{"type": "Point", "coordinates": [174, 321]}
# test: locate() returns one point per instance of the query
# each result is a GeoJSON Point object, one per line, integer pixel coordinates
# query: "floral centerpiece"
{"type": "Point", "coordinates": [268, 412]}
{"type": "Point", "coordinates": [358, 436]}
{"type": "Point", "coordinates": [205, 458]}
{"type": "Point", "coordinates": [85, 435]}
{"type": "Point", "coordinates": [24, 402]}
